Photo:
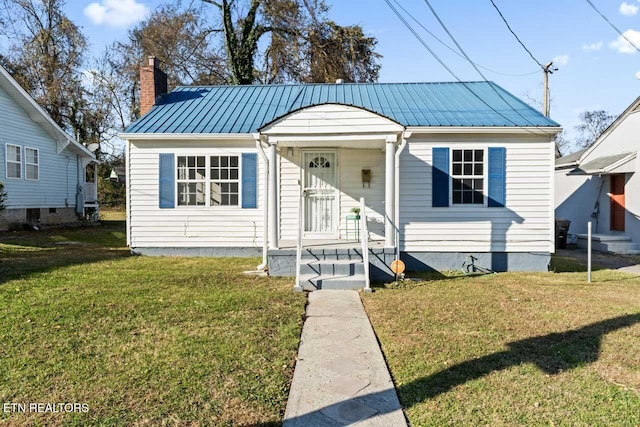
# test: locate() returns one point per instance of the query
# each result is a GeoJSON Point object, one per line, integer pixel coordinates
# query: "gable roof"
{"type": "Point", "coordinates": [246, 109]}
{"type": "Point", "coordinates": [604, 164]}
{"type": "Point", "coordinates": [569, 159]}
{"type": "Point", "coordinates": [635, 105]}
{"type": "Point", "coordinates": [38, 115]}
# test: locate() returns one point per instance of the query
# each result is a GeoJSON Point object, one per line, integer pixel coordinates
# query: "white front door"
{"type": "Point", "coordinates": [321, 201]}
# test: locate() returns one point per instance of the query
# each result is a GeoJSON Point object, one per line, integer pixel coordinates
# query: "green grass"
{"type": "Point", "coordinates": [514, 349]}
{"type": "Point", "coordinates": [141, 340]}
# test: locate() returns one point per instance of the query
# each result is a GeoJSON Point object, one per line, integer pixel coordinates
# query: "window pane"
{"type": "Point", "coordinates": [215, 174]}
{"type": "Point", "coordinates": [191, 161]}
{"type": "Point", "coordinates": [225, 200]}
{"type": "Point", "coordinates": [31, 155]}
{"type": "Point", "coordinates": [457, 169]}
{"type": "Point", "coordinates": [13, 170]}
{"type": "Point", "coordinates": [477, 197]}
{"type": "Point", "coordinates": [234, 161]}
{"type": "Point", "coordinates": [224, 161]}
{"type": "Point", "coordinates": [200, 174]}
{"type": "Point", "coordinates": [13, 153]}
{"type": "Point", "coordinates": [468, 155]}
{"type": "Point", "coordinates": [478, 184]}
{"type": "Point", "coordinates": [478, 155]}
{"type": "Point", "coordinates": [467, 184]}
{"type": "Point", "coordinates": [215, 194]}
{"type": "Point", "coordinates": [182, 161]}
{"type": "Point", "coordinates": [233, 200]}
{"type": "Point", "coordinates": [457, 197]}
{"type": "Point", "coordinates": [457, 184]}
{"type": "Point", "coordinates": [200, 161]}
{"type": "Point", "coordinates": [224, 174]}
{"type": "Point", "coordinates": [234, 174]}
{"type": "Point", "coordinates": [468, 169]}
{"type": "Point", "coordinates": [467, 197]}
{"type": "Point", "coordinates": [200, 196]}
{"type": "Point", "coordinates": [192, 174]}
{"type": "Point", "coordinates": [457, 155]}
{"type": "Point", "coordinates": [215, 161]}
{"type": "Point", "coordinates": [234, 187]}
{"type": "Point", "coordinates": [32, 172]}
{"type": "Point", "coordinates": [478, 169]}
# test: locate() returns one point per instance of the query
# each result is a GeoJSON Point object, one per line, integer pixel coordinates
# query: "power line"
{"type": "Point", "coordinates": [426, 45]}
{"type": "Point", "coordinates": [444, 27]}
{"type": "Point", "coordinates": [612, 26]}
{"type": "Point", "coordinates": [515, 35]}
{"type": "Point", "coordinates": [455, 51]}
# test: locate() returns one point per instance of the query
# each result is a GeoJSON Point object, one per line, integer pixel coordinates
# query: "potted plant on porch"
{"type": "Point", "coordinates": [356, 212]}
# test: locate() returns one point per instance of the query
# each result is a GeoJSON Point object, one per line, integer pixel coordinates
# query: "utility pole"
{"type": "Point", "coordinates": [548, 69]}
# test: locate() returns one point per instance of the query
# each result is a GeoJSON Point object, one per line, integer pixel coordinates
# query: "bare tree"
{"type": "Point", "coordinates": [592, 124]}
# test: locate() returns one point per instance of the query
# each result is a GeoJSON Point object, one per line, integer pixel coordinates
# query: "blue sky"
{"type": "Point", "coordinates": [596, 70]}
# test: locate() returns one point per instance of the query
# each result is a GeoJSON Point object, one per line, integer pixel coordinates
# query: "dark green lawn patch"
{"type": "Point", "coordinates": [514, 348]}
{"type": "Point", "coordinates": [141, 340]}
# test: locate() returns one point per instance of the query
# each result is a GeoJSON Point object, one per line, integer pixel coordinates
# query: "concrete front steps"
{"type": "Point", "coordinates": [617, 243]}
{"type": "Point", "coordinates": [331, 269]}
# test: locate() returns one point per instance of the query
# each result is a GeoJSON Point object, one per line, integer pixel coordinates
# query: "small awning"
{"type": "Point", "coordinates": [618, 163]}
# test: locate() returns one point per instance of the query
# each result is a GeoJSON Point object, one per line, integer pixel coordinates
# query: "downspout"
{"type": "Point", "coordinates": [396, 215]}
{"type": "Point", "coordinates": [265, 221]}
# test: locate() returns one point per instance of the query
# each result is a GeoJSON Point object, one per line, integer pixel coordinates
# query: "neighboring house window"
{"type": "Point", "coordinates": [191, 181]}
{"type": "Point", "coordinates": [31, 161]}
{"type": "Point", "coordinates": [13, 161]}
{"type": "Point", "coordinates": [467, 176]}
{"type": "Point", "coordinates": [225, 186]}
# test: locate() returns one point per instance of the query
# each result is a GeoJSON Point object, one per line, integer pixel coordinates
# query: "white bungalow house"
{"type": "Point", "coordinates": [48, 176]}
{"type": "Point", "coordinates": [596, 184]}
{"type": "Point", "coordinates": [444, 172]}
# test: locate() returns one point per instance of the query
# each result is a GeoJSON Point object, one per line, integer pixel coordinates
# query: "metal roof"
{"type": "Point", "coordinates": [246, 109]}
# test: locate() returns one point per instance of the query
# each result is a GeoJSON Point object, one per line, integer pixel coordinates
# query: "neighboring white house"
{"type": "Point", "coordinates": [43, 169]}
{"type": "Point", "coordinates": [446, 170]}
{"type": "Point", "coordinates": [596, 184]}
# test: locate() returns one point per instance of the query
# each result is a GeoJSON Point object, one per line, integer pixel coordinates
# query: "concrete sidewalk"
{"type": "Point", "coordinates": [340, 377]}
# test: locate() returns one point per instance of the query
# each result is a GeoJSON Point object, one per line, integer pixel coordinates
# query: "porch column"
{"type": "Point", "coordinates": [273, 196]}
{"type": "Point", "coordinates": [389, 192]}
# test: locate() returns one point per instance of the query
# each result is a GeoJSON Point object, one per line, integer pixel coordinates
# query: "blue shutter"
{"type": "Point", "coordinates": [249, 180]}
{"type": "Point", "coordinates": [167, 181]}
{"type": "Point", "coordinates": [440, 178]}
{"type": "Point", "coordinates": [497, 171]}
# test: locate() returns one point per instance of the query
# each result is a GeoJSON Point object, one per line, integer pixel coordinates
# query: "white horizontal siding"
{"type": "Point", "coordinates": [350, 164]}
{"type": "Point", "coordinates": [182, 226]}
{"type": "Point", "coordinates": [58, 173]}
{"type": "Point", "coordinates": [332, 119]}
{"type": "Point", "coordinates": [524, 225]}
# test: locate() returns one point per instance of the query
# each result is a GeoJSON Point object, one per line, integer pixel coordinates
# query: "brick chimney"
{"type": "Point", "coordinates": [153, 83]}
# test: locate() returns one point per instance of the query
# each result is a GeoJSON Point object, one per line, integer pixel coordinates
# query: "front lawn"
{"type": "Point", "coordinates": [140, 340]}
{"type": "Point", "coordinates": [514, 349]}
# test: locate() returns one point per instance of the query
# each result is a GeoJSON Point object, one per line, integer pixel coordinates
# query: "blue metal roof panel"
{"type": "Point", "coordinates": [246, 109]}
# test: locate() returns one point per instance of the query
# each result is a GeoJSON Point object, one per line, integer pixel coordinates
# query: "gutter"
{"type": "Point", "coordinates": [265, 220]}
{"type": "Point", "coordinates": [396, 215]}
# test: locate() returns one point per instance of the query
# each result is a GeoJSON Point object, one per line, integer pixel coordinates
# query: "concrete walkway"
{"type": "Point", "coordinates": [340, 377]}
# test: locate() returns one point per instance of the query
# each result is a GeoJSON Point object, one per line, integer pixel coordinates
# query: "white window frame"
{"type": "Point", "coordinates": [484, 177]}
{"type": "Point", "coordinates": [188, 181]}
{"type": "Point", "coordinates": [7, 161]}
{"type": "Point", "coordinates": [26, 163]}
{"type": "Point", "coordinates": [237, 180]}
{"type": "Point", "coordinates": [208, 180]}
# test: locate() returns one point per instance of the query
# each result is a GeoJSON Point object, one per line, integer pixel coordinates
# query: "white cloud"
{"type": "Point", "coordinates": [623, 46]}
{"type": "Point", "coordinates": [591, 47]}
{"type": "Point", "coordinates": [561, 60]}
{"type": "Point", "coordinates": [628, 9]}
{"type": "Point", "coordinates": [116, 13]}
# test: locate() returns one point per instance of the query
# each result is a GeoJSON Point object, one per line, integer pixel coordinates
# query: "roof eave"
{"type": "Point", "coordinates": [42, 118]}
{"type": "Point", "coordinates": [179, 136]}
{"type": "Point", "coordinates": [539, 131]}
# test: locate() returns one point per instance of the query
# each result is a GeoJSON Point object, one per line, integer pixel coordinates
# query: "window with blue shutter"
{"type": "Point", "coordinates": [167, 181]}
{"type": "Point", "coordinates": [497, 177]}
{"type": "Point", "coordinates": [249, 180]}
{"type": "Point", "coordinates": [440, 177]}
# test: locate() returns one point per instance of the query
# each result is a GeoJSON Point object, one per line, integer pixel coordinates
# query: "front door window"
{"type": "Point", "coordinates": [321, 198]}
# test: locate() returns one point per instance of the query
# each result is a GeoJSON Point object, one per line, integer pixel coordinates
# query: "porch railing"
{"type": "Point", "coordinates": [364, 238]}
{"type": "Point", "coordinates": [297, 285]}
